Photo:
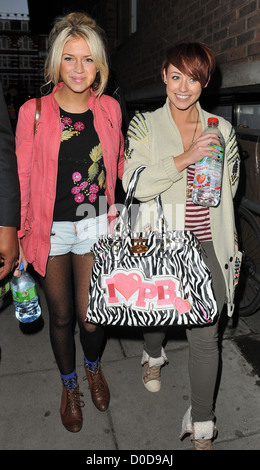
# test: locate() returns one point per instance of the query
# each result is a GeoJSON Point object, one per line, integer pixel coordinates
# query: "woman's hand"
{"type": "Point", "coordinates": [21, 258]}
{"type": "Point", "coordinates": [202, 147]}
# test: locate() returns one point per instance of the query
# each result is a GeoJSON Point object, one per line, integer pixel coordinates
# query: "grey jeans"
{"type": "Point", "coordinates": [203, 347]}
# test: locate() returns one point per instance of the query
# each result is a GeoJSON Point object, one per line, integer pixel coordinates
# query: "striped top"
{"type": "Point", "coordinates": [197, 217]}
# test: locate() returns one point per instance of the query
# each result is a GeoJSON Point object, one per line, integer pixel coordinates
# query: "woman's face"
{"type": "Point", "coordinates": [183, 91]}
{"type": "Point", "coordinates": [77, 68]}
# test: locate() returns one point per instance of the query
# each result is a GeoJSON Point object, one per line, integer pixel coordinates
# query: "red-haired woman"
{"type": "Point", "coordinates": [169, 142]}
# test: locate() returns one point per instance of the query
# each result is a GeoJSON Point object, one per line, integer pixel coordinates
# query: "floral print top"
{"type": "Point", "coordinates": [81, 171]}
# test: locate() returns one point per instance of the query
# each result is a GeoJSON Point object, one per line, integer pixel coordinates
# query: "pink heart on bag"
{"type": "Point", "coordinates": [127, 284]}
{"type": "Point", "coordinates": [183, 306]}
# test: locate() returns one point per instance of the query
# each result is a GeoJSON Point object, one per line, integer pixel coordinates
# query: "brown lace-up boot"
{"type": "Point", "coordinates": [98, 387]}
{"type": "Point", "coordinates": [70, 410]}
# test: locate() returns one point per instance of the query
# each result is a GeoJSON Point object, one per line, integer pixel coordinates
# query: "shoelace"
{"type": "Point", "coordinates": [74, 402]}
{"type": "Point", "coordinates": [97, 380]}
{"type": "Point", "coordinates": [153, 373]}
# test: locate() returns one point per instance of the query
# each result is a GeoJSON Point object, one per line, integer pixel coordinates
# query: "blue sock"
{"type": "Point", "coordinates": [92, 366]}
{"type": "Point", "coordinates": [70, 380]}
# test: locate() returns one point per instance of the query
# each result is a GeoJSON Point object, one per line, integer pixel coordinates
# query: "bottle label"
{"type": "Point", "coordinates": [208, 174]}
{"type": "Point", "coordinates": [25, 296]}
{"type": "Point", "coordinates": [200, 180]}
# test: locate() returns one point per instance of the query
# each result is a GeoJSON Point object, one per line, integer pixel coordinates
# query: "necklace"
{"type": "Point", "coordinates": [195, 130]}
{"type": "Point", "coordinates": [189, 187]}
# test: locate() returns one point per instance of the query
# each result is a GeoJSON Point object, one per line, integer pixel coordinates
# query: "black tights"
{"type": "Point", "coordinates": [66, 287]}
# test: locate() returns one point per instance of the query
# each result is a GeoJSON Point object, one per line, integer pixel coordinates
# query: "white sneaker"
{"type": "Point", "coordinates": [201, 432]}
{"type": "Point", "coordinates": [151, 374]}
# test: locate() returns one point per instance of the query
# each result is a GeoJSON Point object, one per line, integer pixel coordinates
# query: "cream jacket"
{"type": "Point", "coordinates": [153, 140]}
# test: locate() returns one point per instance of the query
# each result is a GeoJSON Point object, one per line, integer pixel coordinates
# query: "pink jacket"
{"type": "Point", "coordinates": [37, 158]}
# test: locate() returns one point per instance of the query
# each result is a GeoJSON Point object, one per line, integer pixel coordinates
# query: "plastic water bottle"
{"type": "Point", "coordinates": [26, 303]}
{"type": "Point", "coordinates": [208, 172]}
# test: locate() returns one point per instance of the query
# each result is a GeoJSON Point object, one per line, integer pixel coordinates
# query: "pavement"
{"type": "Point", "coordinates": [137, 420]}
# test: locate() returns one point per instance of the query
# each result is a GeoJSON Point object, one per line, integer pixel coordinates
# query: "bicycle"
{"type": "Point", "coordinates": [248, 227]}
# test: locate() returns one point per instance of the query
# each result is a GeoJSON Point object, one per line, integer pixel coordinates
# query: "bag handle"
{"type": "Point", "coordinates": [124, 218]}
{"type": "Point", "coordinates": [37, 114]}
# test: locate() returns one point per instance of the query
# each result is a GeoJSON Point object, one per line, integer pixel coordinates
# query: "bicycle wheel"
{"type": "Point", "coordinates": [248, 289]}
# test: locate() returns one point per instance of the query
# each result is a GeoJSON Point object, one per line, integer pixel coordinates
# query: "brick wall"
{"type": "Point", "coordinates": [231, 28]}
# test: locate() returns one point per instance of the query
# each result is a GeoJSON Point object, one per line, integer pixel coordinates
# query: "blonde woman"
{"type": "Point", "coordinates": [68, 171]}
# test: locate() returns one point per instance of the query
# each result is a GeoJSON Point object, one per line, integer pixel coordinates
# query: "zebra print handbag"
{"type": "Point", "coordinates": [149, 279]}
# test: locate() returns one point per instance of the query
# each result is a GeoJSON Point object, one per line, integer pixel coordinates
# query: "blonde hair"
{"type": "Point", "coordinates": [77, 25]}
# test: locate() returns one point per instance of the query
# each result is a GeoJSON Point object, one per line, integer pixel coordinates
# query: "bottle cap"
{"type": "Point", "coordinates": [212, 120]}
{"type": "Point", "coordinates": [21, 266]}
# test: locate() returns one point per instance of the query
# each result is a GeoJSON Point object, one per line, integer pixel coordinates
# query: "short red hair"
{"type": "Point", "coordinates": [194, 59]}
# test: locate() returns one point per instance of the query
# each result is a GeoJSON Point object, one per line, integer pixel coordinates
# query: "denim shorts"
{"type": "Point", "coordinates": [77, 237]}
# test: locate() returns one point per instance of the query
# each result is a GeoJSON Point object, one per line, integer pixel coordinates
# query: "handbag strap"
{"type": "Point", "coordinates": [37, 114]}
{"type": "Point", "coordinates": [124, 219]}
{"type": "Point", "coordinates": [132, 187]}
